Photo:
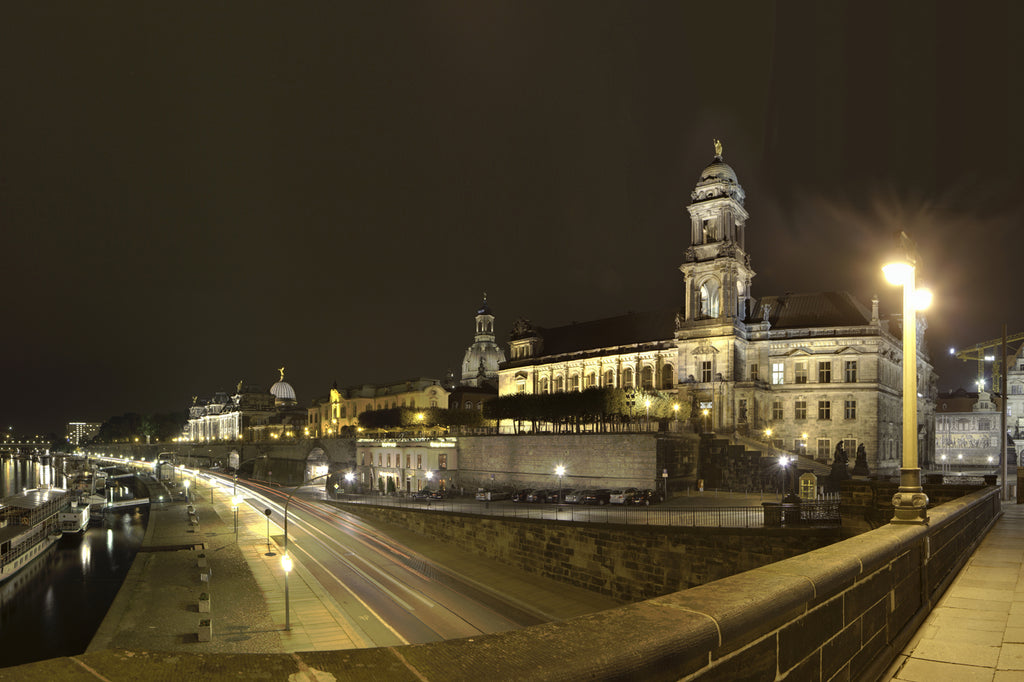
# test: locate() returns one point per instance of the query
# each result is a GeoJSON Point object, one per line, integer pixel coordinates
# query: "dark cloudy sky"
{"type": "Point", "coordinates": [197, 193]}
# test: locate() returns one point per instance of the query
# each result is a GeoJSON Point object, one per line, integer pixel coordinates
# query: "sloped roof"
{"type": "Point", "coordinates": [821, 309]}
{"type": "Point", "coordinates": [623, 330]}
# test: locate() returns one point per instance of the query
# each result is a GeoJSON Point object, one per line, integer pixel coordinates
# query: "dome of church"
{"type": "Point", "coordinates": [482, 360]}
{"type": "Point", "coordinates": [718, 171]}
{"type": "Point", "coordinates": [283, 392]}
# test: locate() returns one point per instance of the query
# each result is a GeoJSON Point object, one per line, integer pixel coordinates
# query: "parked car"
{"type": "Point", "coordinates": [492, 495]}
{"type": "Point", "coordinates": [557, 496]}
{"type": "Point", "coordinates": [539, 495]}
{"type": "Point", "coordinates": [599, 497]}
{"type": "Point", "coordinates": [622, 496]}
{"type": "Point", "coordinates": [646, 497]}
{"type": "Point", "coordinates": [521, 495]}
{"type": "Point", "coordinates": [573, 496]}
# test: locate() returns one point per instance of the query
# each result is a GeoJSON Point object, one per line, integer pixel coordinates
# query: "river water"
{"type": "Point", "coordinates": [54, 605]}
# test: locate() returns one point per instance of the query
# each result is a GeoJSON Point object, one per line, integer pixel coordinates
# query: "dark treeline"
{"type": "Point", "coordinates": [603, 409]}
{"type": "Point", "coordinates": [146, 427]}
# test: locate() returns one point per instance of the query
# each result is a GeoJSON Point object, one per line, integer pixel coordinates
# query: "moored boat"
{"type": "Point", "coordinates": [29, 525]}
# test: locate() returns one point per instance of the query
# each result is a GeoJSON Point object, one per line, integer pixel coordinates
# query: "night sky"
{"type": "Point", "coordinates": [193, 194]}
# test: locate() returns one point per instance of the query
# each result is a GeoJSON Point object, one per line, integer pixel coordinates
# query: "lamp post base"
{"type": "Point", "coordinates": [910, 503]}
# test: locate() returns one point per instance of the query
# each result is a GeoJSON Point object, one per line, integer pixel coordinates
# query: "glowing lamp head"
{"type": "Point", "coordinates": [350, 477]}
{"type": "Point", "coordinates": [898, 272]}
{"type": "Point", "coordinates": [768, 432]}
{"type": "Point", "coordinates": [430, 475]}
{"type": "Point", "coordinates": [647, 403]}
{"type": "Point", "coordinates": [783, 461]}
{"type": "Point", "coordinates": [286, 563]}
{"type": "Point", "coordinates": [675, 407]}
{"type": "Point", "coordinates": [560, 470]}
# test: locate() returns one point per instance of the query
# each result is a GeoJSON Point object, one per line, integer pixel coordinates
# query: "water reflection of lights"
{"type": "Point", "coordinates": [110, 540]}
{"type": "Point", "coordinates": [85, 554]}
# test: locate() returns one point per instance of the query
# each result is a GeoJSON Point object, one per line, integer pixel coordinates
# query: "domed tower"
{"type": "Point", "coordinates": [717, 268]}
{"type": "Point", "coordinates": [481, 360]}
{"type": "Point", "coordinates": [284, 394]}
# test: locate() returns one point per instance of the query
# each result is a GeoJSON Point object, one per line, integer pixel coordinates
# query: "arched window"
{"type": "Point", "coordinates": [591, 380]}
{"type": "Point", "coordinates": [709, 299]}
{"type": "Point", "coordinates": [647, 377]}
{"type": "Point", "coordinates": [544, 385]}
{"type": "Point", "coordinates": [609, 378]}
{"type": "Point", "coordinates": [574, 382]}
{"type": "Point", "coordinates": [627, 377]}
{"type": "Point", "coordinates": [667, 376]}
{"type": "Point", "coordinates": [559, 384]}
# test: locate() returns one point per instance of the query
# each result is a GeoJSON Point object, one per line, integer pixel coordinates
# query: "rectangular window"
{"type": "Point", "coordinates": [824, 409]}
{"type": "Point", "coordinates": [850, 448]}
{"type": "Point", "coordinates": [824, 448]}
{"type": "Point", "coordinates": [705, 371]}
{"type": "Point", "coordinates": [408, 461]}
{"type": "Point", "coordinates": [442, 460]}
{"type": "Point", "coordinates": [743, 410]}
{"type": "Point", "coordinates": [777, 371]}
{"type": "Point", "coordinates": [776, 410]}
{"type": "Point", "coordinates": [800, 373]}
{"type": "Point", "coordinates": [419, 461]}
{"type": "Point", "coordinates": [824, 372]}
{"type": "Point", "coordinates": [754, 372]}
{"type": "Point", "coordinates": [851, 371]}
{"type": "Point", "coordinates": [800, 409]}
{"type": "Point", "coordinates": [850, 409]}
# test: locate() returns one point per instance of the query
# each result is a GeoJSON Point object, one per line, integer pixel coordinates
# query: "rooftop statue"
{"type": "Point", "coordinates": [281, 370]}
{"type": "Point", "coordinates": [718, 147]}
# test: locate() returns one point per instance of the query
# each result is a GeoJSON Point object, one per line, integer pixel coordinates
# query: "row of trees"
{"type": "Point", "coordinates": [411, 418]}
{"type": "Point", "coordinates": [603, 409]}
{"type": "Point", "coordinates": [146, 427]}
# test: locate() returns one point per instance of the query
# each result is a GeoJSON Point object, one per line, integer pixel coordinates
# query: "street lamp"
{"type": "Point", "coordinates": [286, 560]}
{"type": "Point", "coordinates": [235, 500]}
{"type": "Point", "coordinates": [910, 501]}
{"type": "Point", "coordinates": [705, 413]}
{"type": "Point", "coordinates": [286, 564]}
{"type": "Point", "coordinates": [675, 411]}
{"type": "Point", "coordinates": [560, 471]}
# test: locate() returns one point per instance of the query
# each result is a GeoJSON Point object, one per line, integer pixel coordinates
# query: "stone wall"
{"type": "Point", "coordinates": [287, 461]}
{"type": "Point", "coordinates": [591, 460]}
{"type": "Point", "coordinates": [625, 562]}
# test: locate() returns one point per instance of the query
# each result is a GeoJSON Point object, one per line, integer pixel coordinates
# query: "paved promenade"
{"type": "Point", "coordinates": [157, 608]}
{"type": "Point", "coordinates": [976, 632]}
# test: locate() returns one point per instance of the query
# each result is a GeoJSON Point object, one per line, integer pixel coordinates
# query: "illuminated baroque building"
{"type": "Point", "coordinates": [967, 433]}
{"type": "Point", "coordinates": [343, 406]}
{"type": "Point", "coordinates": [250, 414]}
{"type": "Point", "coordinates": [820, 364]}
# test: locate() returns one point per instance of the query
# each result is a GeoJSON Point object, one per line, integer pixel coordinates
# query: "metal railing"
{"type": "Point", "coordinates": [806, 514]}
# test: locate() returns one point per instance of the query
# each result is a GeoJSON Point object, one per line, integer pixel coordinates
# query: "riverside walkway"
{"type": "Point", "coordinates": [156, 609]}
{"type": "Point", "coordinates": [976, 631]}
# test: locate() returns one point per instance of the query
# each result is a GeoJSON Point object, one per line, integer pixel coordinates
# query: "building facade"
{"type": "Point", "coordinates": [967, 430]}
{"type": "Point", "coordinates": [409, 465]}
{"type": "Point", "coordinates": [82, 432]}
{"type": "Point", "coordinates": [251, 413]}
{"type": "Point", "coordinates": [817, 369]}
{"type": "Point", "coordinates": [341, 409]}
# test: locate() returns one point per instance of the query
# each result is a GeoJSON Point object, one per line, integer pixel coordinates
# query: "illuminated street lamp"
{"type": "Point", "coordinates": [910, 501]}
{"type": "Point", "coordinates": [675, 410]}
{"type": "Point", "coordinates": [560, 471]}
{"type": "Point", "coordinates": [705, 413]}
{"type": "Point", "coordinates": [286, 564]}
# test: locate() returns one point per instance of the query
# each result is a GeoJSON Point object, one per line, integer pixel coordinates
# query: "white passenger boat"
{"type": "Point", "coordinates": [75, 519]}
{"type": "Point", "coordinates": [29, 525]}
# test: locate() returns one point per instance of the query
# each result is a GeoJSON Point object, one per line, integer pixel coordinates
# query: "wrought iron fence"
{"type": "Point", "coordinates": [771, 515]}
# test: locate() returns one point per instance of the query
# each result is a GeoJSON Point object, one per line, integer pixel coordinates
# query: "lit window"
{"type": "Point", "coordinates": [777, 372]}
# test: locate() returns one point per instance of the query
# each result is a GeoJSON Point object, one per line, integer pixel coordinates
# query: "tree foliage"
{"type": "Point", "coordinates": [603, 408]}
